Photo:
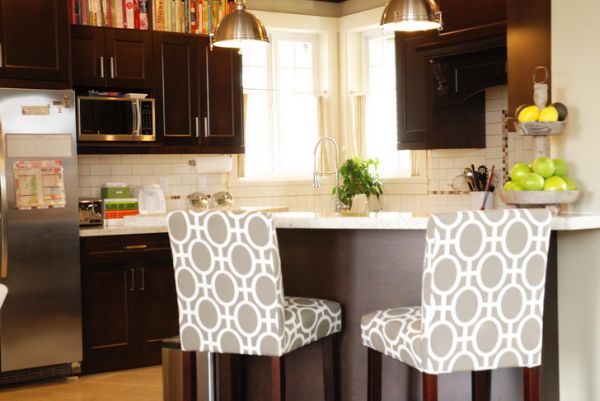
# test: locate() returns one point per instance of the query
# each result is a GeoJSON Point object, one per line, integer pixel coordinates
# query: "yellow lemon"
{"type": "Point", "coordinates": [528, 114]}
{"type": "Point", "coordinates": [549, 114]}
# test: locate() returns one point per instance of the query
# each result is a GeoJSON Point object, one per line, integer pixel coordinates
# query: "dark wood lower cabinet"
{"type": "Point", "coordinates": [129, 301]}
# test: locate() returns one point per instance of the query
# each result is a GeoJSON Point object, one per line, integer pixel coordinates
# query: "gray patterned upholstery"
{"type": "Point", "coordinates": [482, 298]}
{"type": "Point", "coordinates": [230, 291]}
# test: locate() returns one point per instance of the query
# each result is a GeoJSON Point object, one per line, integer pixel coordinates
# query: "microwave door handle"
{"type": "Point", "coordinates": [135, 105]}
{"type": "Point", "coordinates": [3, 210]}
{"type": "Point", "coordinates": [139, 117]}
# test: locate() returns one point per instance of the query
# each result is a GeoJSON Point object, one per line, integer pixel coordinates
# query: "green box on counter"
{"type": "Point", "coordinates": [115, 192]}
{"type": "Point", "coordinates": [121, 204]}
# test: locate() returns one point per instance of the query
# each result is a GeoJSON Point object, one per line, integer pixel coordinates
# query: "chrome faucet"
{"type": "Point", "coordinates": [317, 174]}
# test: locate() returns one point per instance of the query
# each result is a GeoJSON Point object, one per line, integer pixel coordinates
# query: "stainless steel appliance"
{"type": "Point", "coordinates": [40, 322]}
{"type": "Point", "coordinates": [90, 212]}
{"type": "Point", "coordinates": [102, 118]}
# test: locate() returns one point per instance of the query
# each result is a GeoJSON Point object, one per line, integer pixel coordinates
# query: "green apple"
{"type": "Point", "coordinates": [555, 183]}
{"type": "Point", "coordinates": [571, 186]}
{"type": "Point", "coordinates": [532, 182]}
{"type": "Point", "coordinates": [512, 186]}
{"type": "Point", "coordinates": [518, 171]}
{"type": "Point", "coordinates": [561, 167]}
{"type": "Point", "coordinates": [544, 166]}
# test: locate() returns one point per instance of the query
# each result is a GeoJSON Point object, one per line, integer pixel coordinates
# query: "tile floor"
{"type": "Point", "coordinates": [128, 385]}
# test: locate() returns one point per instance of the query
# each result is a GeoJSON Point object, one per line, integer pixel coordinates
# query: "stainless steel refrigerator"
{"type": "Point", "coordinates": [40, 322]}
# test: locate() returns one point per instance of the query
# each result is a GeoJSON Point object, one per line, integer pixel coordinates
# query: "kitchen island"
{"type": "Point", "coordinates": [368, 264]}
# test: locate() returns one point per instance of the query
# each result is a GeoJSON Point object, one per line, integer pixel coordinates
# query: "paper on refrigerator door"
{"type": "Point", "coordinates": [39, 184]}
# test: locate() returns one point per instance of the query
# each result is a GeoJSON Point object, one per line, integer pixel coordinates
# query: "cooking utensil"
{"type": "Point", "coordinates": [487, 186]}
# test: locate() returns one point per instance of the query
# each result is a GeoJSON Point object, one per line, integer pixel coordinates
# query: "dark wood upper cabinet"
{"type": "Point", "coordinates": [441, 82]}
{"type": "Point", "coordinates": [111, 58]}
{"type": "Point", "coordinates": [199, 92]}
{"type": "Point", "coordinates": [529, 46]}
{"type": "Point", "coordinates": [221, 96]}
{"type": "Point", "coordinates": [176, 83]}
{"type": "Point", "coordinates": [413, 86]}
{"type": "Point", "coordinates": [462, 16]}
{"type": "Point", "coordinates": [34, 42]}
{"type": "Point", "coordinates": [129, 54]}
{"type": "Point", "coordinates": [89, 64]}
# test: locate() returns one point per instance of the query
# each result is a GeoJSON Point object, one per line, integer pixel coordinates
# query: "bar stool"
{"type": "Point", "coordinates": [482, 303]}
{"type": "Point", "coordinates": [231, 299]}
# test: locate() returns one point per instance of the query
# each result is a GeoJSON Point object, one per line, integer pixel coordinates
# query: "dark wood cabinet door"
{"type": "Point", "coordinates": [108, 293]}
{"type": "Point", "coordinates": [462, 18]}
{"type": "Point", "coordinates": [529, 46]}
{"type": "Point", "coordinates": [34, 40]}
{"type": "Point", "coordinates": [89, 62]}
{"type": "Point", "coordinates": [221, 94]}
{"type": "Point", "coordinates": [413, 87]}
{"type": "Point", "coordinates": [176, 87]}
{"type": "Point", "coordinates": [128, 56]}
{"type": "Point", "coordinates": [158, 301]}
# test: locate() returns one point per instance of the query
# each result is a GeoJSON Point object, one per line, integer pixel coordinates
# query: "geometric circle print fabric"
{"type": "Point", "coordinates": [229, 285]}
{"type": "Point", "coordinates": [482, 296]}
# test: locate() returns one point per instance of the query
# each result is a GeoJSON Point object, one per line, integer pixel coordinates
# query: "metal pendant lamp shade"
{"type": "Point", "coordinates": [240, 28]}
{"type": "Point", "coordinates": [411, 15]}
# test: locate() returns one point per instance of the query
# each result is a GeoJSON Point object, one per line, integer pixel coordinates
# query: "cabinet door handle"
{"type": "Point", "coordinates": [1, 56]}
{"type": "Point", "coordinates": [112, 67]}
{"type": "Point", "coordinates": [101, 66]}
{"type": "Point", "coordinates": [197, 119]}
{"type": "Point", "coordinates": [134, 247]}
{"type": "Point", "coordinates": [132, 287]}
{"type": "Point", "coordinates": [143, 279]}
{"type": "Point", "coordinates": [205, 127]}
{"type": "Point", "coordinates": [456, 80]}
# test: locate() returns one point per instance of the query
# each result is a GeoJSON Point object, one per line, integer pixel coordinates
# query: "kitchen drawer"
{"type": "Point", "coordinates": [125, 247]}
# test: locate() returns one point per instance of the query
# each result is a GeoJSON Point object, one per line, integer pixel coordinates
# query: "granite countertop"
{"type": "Point", "coordinates": [310, 220]}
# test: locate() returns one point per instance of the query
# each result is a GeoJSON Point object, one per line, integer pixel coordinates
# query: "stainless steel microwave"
{"type": "Point", "coordinates": [116, 119]}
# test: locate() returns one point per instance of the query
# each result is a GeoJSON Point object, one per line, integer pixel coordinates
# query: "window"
{"type": "Point", "coordinates": [282, 106]}
{"type": "Point", "coordinates": [380, 106]}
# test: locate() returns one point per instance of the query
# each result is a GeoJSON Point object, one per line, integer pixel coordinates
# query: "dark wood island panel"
{"type": "Point", "coordinates": [366, 270]}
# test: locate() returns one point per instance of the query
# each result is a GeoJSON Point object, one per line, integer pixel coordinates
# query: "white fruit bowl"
{"type": "Point", "coordinates": [537, 128]}
{"type": "Point", "coordinates": [548, 199]}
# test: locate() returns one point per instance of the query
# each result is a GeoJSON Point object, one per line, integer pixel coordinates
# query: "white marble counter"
{"type": "Point", "coordinates": [310, 220]}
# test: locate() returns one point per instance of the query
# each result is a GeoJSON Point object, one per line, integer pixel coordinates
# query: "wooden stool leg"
{"type": "Point", "coordinates": [331, 377]}
{"type": "Point", "coordinates": [429, 387]}
{"type": "Point", "coordinates": [531, 384]}
{"type": "Point", "coordinates": [278, 378]}
{"type": "Point", "coordinates": [189, 375]}
{"type": "Point", "coordinates": [481, 385]}
{"type": "Point", "coordinates": [374, 375]}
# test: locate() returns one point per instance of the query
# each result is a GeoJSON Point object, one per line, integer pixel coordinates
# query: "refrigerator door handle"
{"type": "Point", "coordinates": [3, 210]}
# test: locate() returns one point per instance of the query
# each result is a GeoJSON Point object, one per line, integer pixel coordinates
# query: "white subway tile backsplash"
{"type": "Point", "coordinates": [110, 159]}
{"type": "Point", "coordinates": [131, 159]}
{"type": "Point", "coordinates": [100, 169]}
{"type": "Point", "coordinates": [121, 169]}
{"type": "Point", "coordinates": [142, 169]}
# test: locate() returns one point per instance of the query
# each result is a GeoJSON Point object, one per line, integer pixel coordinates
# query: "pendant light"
{"type": "Point", "coordinates": [411, 15]}
{"type": "Point", "coordinates": [240, 28]}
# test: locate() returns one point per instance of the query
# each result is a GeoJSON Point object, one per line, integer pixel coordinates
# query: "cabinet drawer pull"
{"type": "Point", "coordinates": [132, 287]}
{"type": "Point", "coordinates": [197, 119]}
{"type": "Point", "coordinates": [205, 127]}
{"type": "Point", "coordinates": [112, 67]}
{"type": "Point", "coordinates": [143, 284]}
{"type": "Point", "coordinates": [1, 60]}
{"type": "Point", "coordinates": [133, 247]}
{"type": "Point", "coordinates": [101, 66]}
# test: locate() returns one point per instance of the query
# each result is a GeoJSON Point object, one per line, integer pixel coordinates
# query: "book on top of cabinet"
{"type": "Point", "coordinates": [129, 14]}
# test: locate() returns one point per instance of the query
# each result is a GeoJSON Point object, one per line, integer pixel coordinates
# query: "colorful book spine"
{"type": "Point", "coordinates": [193, 20]}
{"type": "Point", "coordinates": [85, 13]}
{"type": "Point", "coordinates": [144, 15]}
{"type": "Point", "coordinates": [129, 14]}
{"type": "Point", "coordinates": [119, 14]}
{"type": "Point", "coordinates": [159, 15]}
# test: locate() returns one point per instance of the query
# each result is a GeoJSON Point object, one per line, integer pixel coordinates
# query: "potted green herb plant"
{"type": "Point", "coordinates": [359, 177]}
